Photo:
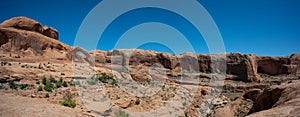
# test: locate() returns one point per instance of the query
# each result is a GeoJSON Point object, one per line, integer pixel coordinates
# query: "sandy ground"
{"type": "Point", "coordinates": [17, 106]}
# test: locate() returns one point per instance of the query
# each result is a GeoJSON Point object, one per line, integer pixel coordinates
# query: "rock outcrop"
{"type": "Point", "coordinates": [244, 66]}
{"type": "Point", "coordinates": [28, 24]}
{"type": "Point", "coordinates": [278, 65]}
{"type": "Point", "coordinates": [282, 100]}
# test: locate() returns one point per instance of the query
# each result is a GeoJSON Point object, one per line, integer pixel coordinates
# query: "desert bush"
{"type": "Point", "coordinates": [40, 88]}
{"type": "Point", "coordinates": [58, 84]}
{"type": "Point", "coordinates": [52, 79]}
{"type": "Point", "coordinates": [69, 103]}
{"type": "Point", "coordinates": [3, 63]}
{"type": "Point", "coordinates": [120, 113]}
{"type": "Point", "coordinates": [37, 81]}
{"type": "Point", "coordinates": [48, 87]}
{"type": "Point", "coordinates": [12, 85]}
{"type": "Point", "coordinates": [44, 80]}
{"type": "Point", "coordinates": [47, 95]}
{"type": "Point", "coordinates": [137, 101]}
{"type": "Point", "coordinates": [107, 79]}
{"type": "Point", "coordinates": [23, 86]}
{"type": "Point", "coordinates": [65, 84]}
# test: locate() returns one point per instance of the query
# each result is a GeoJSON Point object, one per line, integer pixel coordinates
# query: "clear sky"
{"type": "Point", "coordinates": [262, 27]}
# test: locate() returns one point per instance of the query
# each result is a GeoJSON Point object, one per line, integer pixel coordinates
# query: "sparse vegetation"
{"type": "Point", "coordinates": [44, 80]}
{"type": "Point", "coordinates": [23, 86]}
{"type": "Point", "coordinates": [91, 81]}
{"type": "Point", "coordinates": [48, 87]}
{"type": "Point", "coordinates": [47, 95]}
{"type": "Point", "coordinates": [69, 103]}
{"type": "Point", "coordinates": [58, 84]}
{"type": "Point", "coordinates": [107, 79]}
{"type": "Point", "coordinates": [65, 84]}
{"type": "Point", "coordinates": [3, 63]}
{"type": "Point", "coordinates": [40, 88]}
{"type": "Point", "coordinates": [52, 79]}
{"type": "Point", "coordinates": [137, 101]}
{"type": "Point", "coordinates": [12, 85]}
{"type": "Point", "coordinates": [37, 81]}
{"type": "Point", "coordinates": [120, 113]}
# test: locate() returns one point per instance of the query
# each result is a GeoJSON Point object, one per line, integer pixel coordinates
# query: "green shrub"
{"type": "Point", "coordinates": [69, 103]}
{"type": "Point", "coordinates": [48, 87]}
{"type": "Point", "coordinates": [40, 88]}
{"type": "Point", "coordinates": [60, 80]}
{"type": "Point", "coordinates": [107, 79]}
{"type": "Point", "coordinates": [23, 86]}
{"type": "Point", "coordinates": [13, 85]}
{"type": "Point", "coordinates": [44, 80]}
{"type": "Point", "coordinates": [1, 86]}
{"type": "Point", "coordinates": [121, 113]}
{"type": "Point", "coordinates": [37, 81]}
{"type": "Point", "coordinates": [47, 95]}
{"type": "Point", "coordinates": [52, 79]}
{"type": "Point", "coordinates": [65, 84]}
{"type": "Point", "coordinates": [3, 63]}
{"type": "Point", "coordinates": [58, 84]}
{"type": "Point", "coordinates": [137, 101]}
{"type": "Point", "coordinates": [71, 83]}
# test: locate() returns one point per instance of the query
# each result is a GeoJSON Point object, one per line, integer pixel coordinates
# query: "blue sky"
{"type": "Point", "coordinates": [262, 27]}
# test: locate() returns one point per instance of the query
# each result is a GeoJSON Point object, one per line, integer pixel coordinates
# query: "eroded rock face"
{"type": "Point", "coordinates": [244, 66]}
{"type": "Point", "coordinates": [50, 32]}
{"type": "Point", "coordinates": [280, 100]}
{"type": "Point", "coordinates": [28, 24]}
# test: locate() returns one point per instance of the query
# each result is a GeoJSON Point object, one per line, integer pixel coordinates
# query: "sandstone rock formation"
{"type": "Point", "coordinates": [28, 24]}
{"type": "Point", "coordinates": [282, 100]}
